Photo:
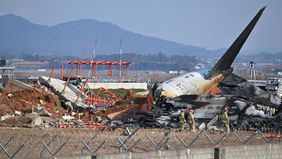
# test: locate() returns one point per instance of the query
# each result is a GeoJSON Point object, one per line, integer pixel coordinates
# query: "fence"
{"type": "Point", "coordinates": [53, 143]}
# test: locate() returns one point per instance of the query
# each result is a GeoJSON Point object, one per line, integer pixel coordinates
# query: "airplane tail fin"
{"type": "Point", "coordinates": [227, 59]}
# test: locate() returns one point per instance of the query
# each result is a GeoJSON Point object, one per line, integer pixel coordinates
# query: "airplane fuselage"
{"type": "Point", "coordinates": [188, 84]}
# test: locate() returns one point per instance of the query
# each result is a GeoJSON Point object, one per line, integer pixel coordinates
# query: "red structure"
{"type": "Point", "coordinates": [112, 99]}
{"type": "Point", "coordinates": [94, 64]}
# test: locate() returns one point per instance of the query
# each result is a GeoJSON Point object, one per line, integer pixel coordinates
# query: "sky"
{"type": "Point", "coordinates": [211, 24]}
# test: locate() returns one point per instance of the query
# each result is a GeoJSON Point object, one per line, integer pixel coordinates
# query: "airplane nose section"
{"type": "Point", "coordinates": [159, 92]}
{"type": "Point", "coordinates": [162, 92]}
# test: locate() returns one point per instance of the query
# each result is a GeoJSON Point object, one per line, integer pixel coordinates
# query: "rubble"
{"type": "Point", "coordinates": [251, 111]}
{"type": "Point", "coordinates": [24, 105]}
{"type": "Point", "coordinates": [23, 100]}
{"type": "Point", "coordinates": [36, 119]}
{"type": "Point", "coordinates": [45, 105]}
{"type": "Point", "coordinates": [20, 121]}
{"type": "Point", "coordinates": [68, 117]}
{"type": "Point", "coordinates": [4, 117]}
{"type": "Point", "coordinates": [69, 94]}
{"type": "Point", "coordinates": [257, 123]}
{"type": "Point", "coordinates": [117, 114]}
{"type": "Point", "coordinates": [48, 122]}
{"type": "Point", "coordinates": [41, 111]}
{"type": "Point", "coordinates": [18, 113]}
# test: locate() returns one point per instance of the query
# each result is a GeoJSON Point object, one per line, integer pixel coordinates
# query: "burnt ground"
{"type": "Point", "coordinates": [32, 138]}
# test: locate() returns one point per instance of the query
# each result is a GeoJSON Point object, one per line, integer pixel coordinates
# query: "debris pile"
{"type": "Point", "coordinates": [47, 105]}
{"type": "Point", "coordinates": [258, 123]}
{"type": "Point", "coordinates": [37, 105]}
{"type": "Point", "coordinates": [17, 103]}
{"type": "Point", "coordinates": [243, 114]}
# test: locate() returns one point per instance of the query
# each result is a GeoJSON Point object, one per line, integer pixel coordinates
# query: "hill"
{"type": "Point", "coordinates": [76, 38]}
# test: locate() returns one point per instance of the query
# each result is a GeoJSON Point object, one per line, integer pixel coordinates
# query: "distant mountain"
{"type": "Point", "coordinates": [262, 57]}
{"type": "Point", "coordinates": [19, 36]}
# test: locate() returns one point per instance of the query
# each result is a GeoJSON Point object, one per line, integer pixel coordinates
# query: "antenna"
{"type": "Point", "coordinates": [92, 60]}
{"type": "Point", "coordinates": [94, 51]}
{"type": "Point", "coordinates": [120, 51]}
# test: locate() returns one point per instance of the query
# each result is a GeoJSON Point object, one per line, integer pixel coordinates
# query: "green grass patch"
{"type": "Point", "coordinates": [119, 92]}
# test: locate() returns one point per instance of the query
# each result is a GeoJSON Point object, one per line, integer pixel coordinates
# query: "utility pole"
{"type": "Point", "coordinates": [93, 68]}
{"type": "Point", "coordinates": [120, 51]}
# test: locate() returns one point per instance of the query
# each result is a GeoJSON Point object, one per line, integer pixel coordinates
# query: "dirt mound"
{"type": "Point", "coordinates": [26, 101]}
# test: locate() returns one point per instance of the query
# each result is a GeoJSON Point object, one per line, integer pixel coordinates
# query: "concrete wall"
{"type": "Point", "coordinates": [118, 85]}
{"type": "Point", "coordinates": [268, 151]}
{"type": "Point", "coordinates": [78, 157]}
{"type": "Point", "coordinates": [203, 153]}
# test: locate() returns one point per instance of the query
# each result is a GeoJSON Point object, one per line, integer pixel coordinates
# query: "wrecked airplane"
{"type": "Point", "coordinates": [194, 83]}
{"type": "Point", "coordinates": [209, 94]}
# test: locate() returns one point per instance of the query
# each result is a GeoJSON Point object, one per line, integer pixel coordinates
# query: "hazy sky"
{"type": "Point", "coordinates": [206, 23]}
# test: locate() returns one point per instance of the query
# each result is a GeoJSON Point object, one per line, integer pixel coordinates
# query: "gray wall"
{"type": "Point", "coordinates": [268, 151]}
{"type": "Point", "coordinates": [203, 153]}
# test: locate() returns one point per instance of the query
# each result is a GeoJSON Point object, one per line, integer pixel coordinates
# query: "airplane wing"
{"type": "Point", "coordinates": [191, 99]}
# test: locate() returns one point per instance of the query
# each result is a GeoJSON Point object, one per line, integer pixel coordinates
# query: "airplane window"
{"type": "Point", "coordinates": [187, 76]}
{"type": "Point", "coordinates": [192, 75]}
{"type": "Point", "coordinates": [168, 81]}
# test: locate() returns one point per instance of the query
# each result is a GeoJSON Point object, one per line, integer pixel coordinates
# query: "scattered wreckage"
{"type": "Point", "coordinates": [249, 106]}
{"type": "Point", "coordinates": [209, 94]}
{"type": "Point", "coordinates": [37, 105]}
{"type": "Point", "coordinates": [45, 104]}
{"type": "Point", "coordinates": [244, 114]}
